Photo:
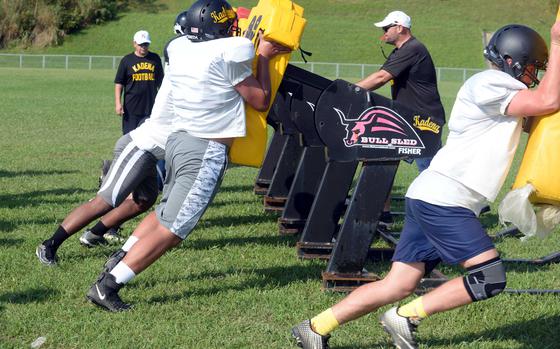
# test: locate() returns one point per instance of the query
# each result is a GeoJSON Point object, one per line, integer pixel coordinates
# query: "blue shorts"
{"type": "Point", "coordinates": [432, 232]}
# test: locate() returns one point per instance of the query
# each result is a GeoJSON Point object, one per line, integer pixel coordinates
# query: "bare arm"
{"type": "Point", "coordinates": [544, 99]}
{"type": "Point", "coordinates": [375, 80]}
{"type": "Point", "coordinates": [256, 90]}
{"type": "Point", "coordinates": [118, 99]}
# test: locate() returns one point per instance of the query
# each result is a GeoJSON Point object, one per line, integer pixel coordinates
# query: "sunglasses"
{"type": "Point", "coordinates": [386, 28]}
{"type": "Point", "coordinates": [144, 45]}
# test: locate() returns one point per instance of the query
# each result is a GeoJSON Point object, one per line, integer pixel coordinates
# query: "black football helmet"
{"type": "Point", "coordinates": [523, 45]}
{"type": "Point", "coordinates": [210, 19]}
{"type": "Point", "coordinates": [180, 26]}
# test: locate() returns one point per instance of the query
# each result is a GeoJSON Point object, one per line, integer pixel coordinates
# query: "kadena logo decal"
{"type": "Point", "coordinates": [380, 127]}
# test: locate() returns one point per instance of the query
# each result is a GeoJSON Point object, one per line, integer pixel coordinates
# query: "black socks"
{"type": "Point", "coordinates": [57, 239]}
{"type": "Point", "coordinates": [99, 229]}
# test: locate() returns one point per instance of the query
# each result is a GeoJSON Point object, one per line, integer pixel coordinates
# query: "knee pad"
{"type": "Point", "coordinates": [485, 280]}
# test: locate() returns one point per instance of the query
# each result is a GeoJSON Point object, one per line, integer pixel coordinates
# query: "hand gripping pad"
{"type": "Point", "coordinates": [280, 21]}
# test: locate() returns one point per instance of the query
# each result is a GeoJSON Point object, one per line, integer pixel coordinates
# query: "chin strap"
{"type": "Point", "coordinates": [534, 78]}
{"type": "Point", "coordinates": [304, 53]}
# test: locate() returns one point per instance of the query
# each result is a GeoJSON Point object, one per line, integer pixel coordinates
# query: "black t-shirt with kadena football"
{"type": "Point", "coordinates": [141, 78]}
{"type": "Point", "coordinates": [415, 80]}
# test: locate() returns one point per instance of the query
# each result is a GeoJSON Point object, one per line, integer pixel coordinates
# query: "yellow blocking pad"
{"type": "Point", "coordinates": [541, 161]}
{"type": "Point", "coordinates": [280, 21]}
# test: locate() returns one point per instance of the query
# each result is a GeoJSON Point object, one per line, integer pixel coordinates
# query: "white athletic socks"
{"type": "Point", "coordinates": [129, 243]}
{"type": "Point", "coordinates": [122, 273]}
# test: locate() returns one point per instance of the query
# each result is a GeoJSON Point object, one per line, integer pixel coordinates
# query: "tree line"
{"type": "Point", "coordinates": [42, 23]}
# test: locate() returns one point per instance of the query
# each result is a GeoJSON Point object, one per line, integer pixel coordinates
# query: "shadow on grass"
{"type": "Point", "coordinates": [32, 295]}
{"type": "Point", "coordinates": [79, 255]}
{"type": "Point", "coordinates": [273, 240]}
{"type": "Point", "coordinates": [488, 219]}
{"type": "Point", "coordinates": [263, 278]}
{"type": "Point", "coordinates": [235, 188]}
{"type": "Point", "coordinates": [541, 333]}
{"type": "Point", "coordinates": [222, 203]}
{"type": "Point", "coordinates": [5, 242]}
{"type": "Point", "coordinates": [235, 220]}
{"type": "Point", "coordinates": [524, 267]}
{"type": "Point", "coordinates": [385, 346]}
{"type": "Point", "coordinates": [7, 226]}
{"type": "Point", "coordinates": [34, 198]}
{"type": "Point", "coordinates": [9, 174]}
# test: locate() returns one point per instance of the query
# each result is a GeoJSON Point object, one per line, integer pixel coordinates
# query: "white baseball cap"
{"type": "Point", "coordinates": [395, 18]}
{"type": "Point", "coordinates": [142, 37]}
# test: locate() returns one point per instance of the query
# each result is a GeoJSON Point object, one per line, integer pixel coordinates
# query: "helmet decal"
{"type": "Point", "coordinates": [209, 20]}
{"type": "Point", "coordinates": [223, 16]}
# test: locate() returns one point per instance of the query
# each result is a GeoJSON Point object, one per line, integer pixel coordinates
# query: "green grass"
{"type": "Point", "coordinates": [235, 283]}
{"type": "Point", "coordinates": [342, 30]}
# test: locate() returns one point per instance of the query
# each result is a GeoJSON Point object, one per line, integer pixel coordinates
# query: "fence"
{"type": "Point", "coordinates": [331, 70]}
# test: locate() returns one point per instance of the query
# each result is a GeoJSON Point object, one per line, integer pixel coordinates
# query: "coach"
{"type": "Point", "coordinates": [138, 78]}
{"type": "Point", "coordinates": [411, 71]}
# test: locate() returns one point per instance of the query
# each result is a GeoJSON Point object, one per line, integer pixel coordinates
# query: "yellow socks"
{"type": "Point", "coordinates": [414, 309]}
{"type": "Point", "coordinates": [324, 323]}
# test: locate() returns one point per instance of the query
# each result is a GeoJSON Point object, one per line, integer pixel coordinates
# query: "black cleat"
{"type": "Point", "coordinates": [306, 338]}
{"type": "Point", "coordinates": [113, 237]}
{"type": "Point", "coordinates": [89, 239]}
{"type": "Point", "coordinates": [105, 294]}
{"type": "Point", "coordinates": [113, 260]}
{"type": "Point", "coordinates": [46, 254]}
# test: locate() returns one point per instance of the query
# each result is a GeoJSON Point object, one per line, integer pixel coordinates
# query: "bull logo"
{"type": "Point", "coordinates": [379, 127]}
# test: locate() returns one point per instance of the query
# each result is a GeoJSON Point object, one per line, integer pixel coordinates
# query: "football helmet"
{"type": "Point", "coordinates": [523, 45]}
{"type": "Point", "coordinates": [210, 19]}
{"type": "Point", "coordinates": [180, 26]}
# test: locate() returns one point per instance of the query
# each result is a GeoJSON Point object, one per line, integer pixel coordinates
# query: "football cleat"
{"type": "Point", "coordinates": [402, 329]}
{"type": "Point", "coordinates": [306, 338]}
{"type": "Point", "coordinates": [46, 254]}
{"type": "Point", "coordinates": [89, 239]}
{"type": "Point", "coordinates": [113, 237]}
{"type": "Point", "coordinates": [105, 294]}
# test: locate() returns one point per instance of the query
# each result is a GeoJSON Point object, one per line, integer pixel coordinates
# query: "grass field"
{"type": "Point", "coordinates": [234, 284]}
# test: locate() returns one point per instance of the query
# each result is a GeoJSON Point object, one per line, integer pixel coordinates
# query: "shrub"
{"type": "Point", "coordinates": [43, 23]}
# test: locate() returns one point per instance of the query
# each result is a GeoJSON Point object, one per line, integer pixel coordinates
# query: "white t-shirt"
{"type": "Point", "coordinates": [154, 131]}
{"type": "Point", "coordinates": [203, 76]}
{"type": "Point", "coordinates": [482, 141]}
